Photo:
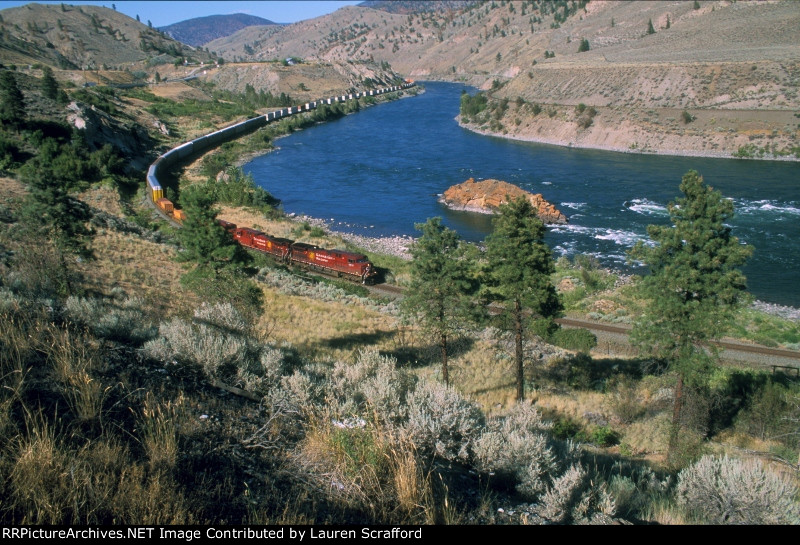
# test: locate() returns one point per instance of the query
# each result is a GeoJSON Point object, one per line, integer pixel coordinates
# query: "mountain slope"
{"type": "Point", "coordinates": [201, 30]}
{"type": "Point", "coordinates": [84, 37]}
{"type": "Point", "coordinates": [637, 57]}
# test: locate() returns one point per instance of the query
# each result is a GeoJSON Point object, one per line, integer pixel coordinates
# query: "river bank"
{"type": "Point", "coordinates": [651, 148]}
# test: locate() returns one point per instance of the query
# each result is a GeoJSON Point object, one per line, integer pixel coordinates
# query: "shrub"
{"type": "Point", "coordinates": [562, 494]}
{"type": "Point", "coordinates": [441, 422]}
{"type": "Point", "coordinates": [722, 490]}
{"type": "Point", "coordinates": [581, 340]}
{"type": "Point", "coordinates": [768, 413]}
{"type": "Point", "coordinates": [372, 383]}
{"type": "Point", "coordinates": [605, 436]}
{"type": "Point", "coordinates": [518, 447]}
{"type": "Point", "coordinates": [624, 402]}
{"type": "Point", "coordinates": [687, 117]}
{"type": "Point", "coordinates": [565, 428]}
{"type": "Point", "coordinates": [575, 496]}
{"type": "Point", "coordinates": [215, 341]}
{"type": "Point", "coordinates": [637, 489]}
{"type": "Point", "coordinates": [124, 321]}
{"type": "Point", "coordinates": [473, 105]}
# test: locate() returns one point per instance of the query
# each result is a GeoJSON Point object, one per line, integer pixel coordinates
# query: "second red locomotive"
{"type": "Point", "coordinates": [340, 263]}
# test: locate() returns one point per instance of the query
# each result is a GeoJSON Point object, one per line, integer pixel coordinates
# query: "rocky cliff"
{"type": "Point", "coordinates": [487, 195]}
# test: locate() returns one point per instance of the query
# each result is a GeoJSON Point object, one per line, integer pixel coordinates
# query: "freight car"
{"type": "Point", "coordinates": [338, 263]}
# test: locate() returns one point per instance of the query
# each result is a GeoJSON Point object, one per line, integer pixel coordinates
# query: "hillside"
{"type": "Point", "coordinates": [85, 37]}
{"type": "Point", "coordinates": [91, 46]}
{"type": "Point", "coordinates": [720, 61]}
{"type": "Point", "coordinates": [200, 30]}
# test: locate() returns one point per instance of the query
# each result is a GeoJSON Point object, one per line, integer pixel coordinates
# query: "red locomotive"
{"type": "Point", "coordinates": [340, 263]}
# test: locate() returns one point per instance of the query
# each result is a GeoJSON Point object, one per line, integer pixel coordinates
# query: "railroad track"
{"type": "Point", "coordinates": [732, 350]}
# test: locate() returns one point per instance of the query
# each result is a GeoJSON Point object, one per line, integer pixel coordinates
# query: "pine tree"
{"type": "Point", "coordinates": [519, 265]}
{"type": "Point", "coordinates": [51, 210]}
{"type": "Point", "coordinates": [584, 45]}
{"type": "Point", "coordinates": [12, 103]}
{"type": "Point", "coordinates": [219, 272]}
{"type": "Point", "coordinates": [204, 241]}
{"type": "Point", "coordinates": [49, 83]}
{"type": "Point", "coordinates": [650, 29]}
{"type": "Point", "coordinates": [693, 287]}
{"type": "Point", "coordinates": [439, 296]}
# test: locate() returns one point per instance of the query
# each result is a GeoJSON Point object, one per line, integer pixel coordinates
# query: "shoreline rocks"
{"type": "Point", "coordinates": [487, 195]}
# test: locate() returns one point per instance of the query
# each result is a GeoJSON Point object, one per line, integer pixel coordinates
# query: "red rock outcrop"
{"type": "Point", "coordinates": [487, 195]}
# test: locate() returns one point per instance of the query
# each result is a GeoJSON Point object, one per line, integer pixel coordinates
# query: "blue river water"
{"type": "Point", "coordinates": [379, 172]}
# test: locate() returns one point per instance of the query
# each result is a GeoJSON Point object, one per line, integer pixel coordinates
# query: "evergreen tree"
{"type": "Point", "coordinates": [12, 103]}
{"type": "Point", "coordinates": [219, 274]}
{"type": "Point", "coordinates": [584, 45]}
{"type": "Point", "coordinates": [518, 276]}
{"type": "Point", "coordinates": [650, 29]}
{"type": "Point", "coordinates": [442, 284]}
{"type": "Point", "coordinates": [693, 287]}
{"type": "Point", "coordinates": [49, 83]}
{"type": "Point", "coordinates": [204, 241]}
{"type": "Point", "coordinates": [51, 210]}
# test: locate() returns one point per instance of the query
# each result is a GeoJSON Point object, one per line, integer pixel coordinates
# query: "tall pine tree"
{"type": "Point", "coordinates": [12, 103]}
{"type": "Point", "coordinates": [693, 288]}
{"type": "Point", "coordinates": [50, 210]}
{"type": "Point", "coordinates": [205, 243]}
{"type": "Point", "coordinates": [518, 276]}
{"type": "Point", "coordinates": [442, 284]}
{"type": "Point", "coordinates": [49, 83]}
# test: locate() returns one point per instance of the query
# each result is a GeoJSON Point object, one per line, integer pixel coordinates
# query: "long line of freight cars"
{"type": "Point", "coordinates": [336, 262]}
{"type": "Point", "coordinates": [216, 138]}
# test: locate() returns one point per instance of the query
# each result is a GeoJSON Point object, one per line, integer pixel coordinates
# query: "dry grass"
{"type": "Point", "coordinates": [138, 266]}
{"type": "Point", "coordinates": [103, 198]}
{"type": "Point", "coordinates": [158, 431]}
{"type": "Point", "coordinates": [485, 375]}
{"type": "Point", "coordinates": [330, 329]}
{"type": "Point", "coordinates": [373, 470]}
{"type": "Point", "coordinates": [574, 405]}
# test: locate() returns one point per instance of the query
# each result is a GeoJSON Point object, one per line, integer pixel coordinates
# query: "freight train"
{"type": "Point", "coordinates": [334, 262]}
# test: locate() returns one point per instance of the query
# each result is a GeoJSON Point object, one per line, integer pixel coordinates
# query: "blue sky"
{"type": "Point", "coordinates": [165, 13]}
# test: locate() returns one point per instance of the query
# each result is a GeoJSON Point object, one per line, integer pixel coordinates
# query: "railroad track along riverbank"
{"type": "Point", "coordinates": [612, 341]}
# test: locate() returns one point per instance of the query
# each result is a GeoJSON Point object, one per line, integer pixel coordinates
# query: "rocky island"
{"type": "Point", "coordinates": [487, 195]}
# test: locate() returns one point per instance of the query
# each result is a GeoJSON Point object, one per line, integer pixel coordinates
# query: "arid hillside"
{"type": "Point", "coordinates": [640, 64]}
{"type": "Point", "coordinates": [85, 37]}
{"type": "Point", "coordinates": [96, 51]}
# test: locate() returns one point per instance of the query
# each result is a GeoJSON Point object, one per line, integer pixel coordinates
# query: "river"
{"type": "Point", "coordinates": [378, 172]}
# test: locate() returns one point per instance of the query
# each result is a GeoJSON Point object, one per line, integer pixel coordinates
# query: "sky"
{"type": "Point", "coordinates": [163, 13]}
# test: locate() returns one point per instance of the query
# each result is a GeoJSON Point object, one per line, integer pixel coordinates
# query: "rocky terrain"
{"type": "Point", "coordinates": [712, 78]}
{"type": "Point", "coordinates": [88, 46]}
{"type": "Point", "coordinates": [86, 38]}
{"type": "Point", "coordinates": [486, 197]}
